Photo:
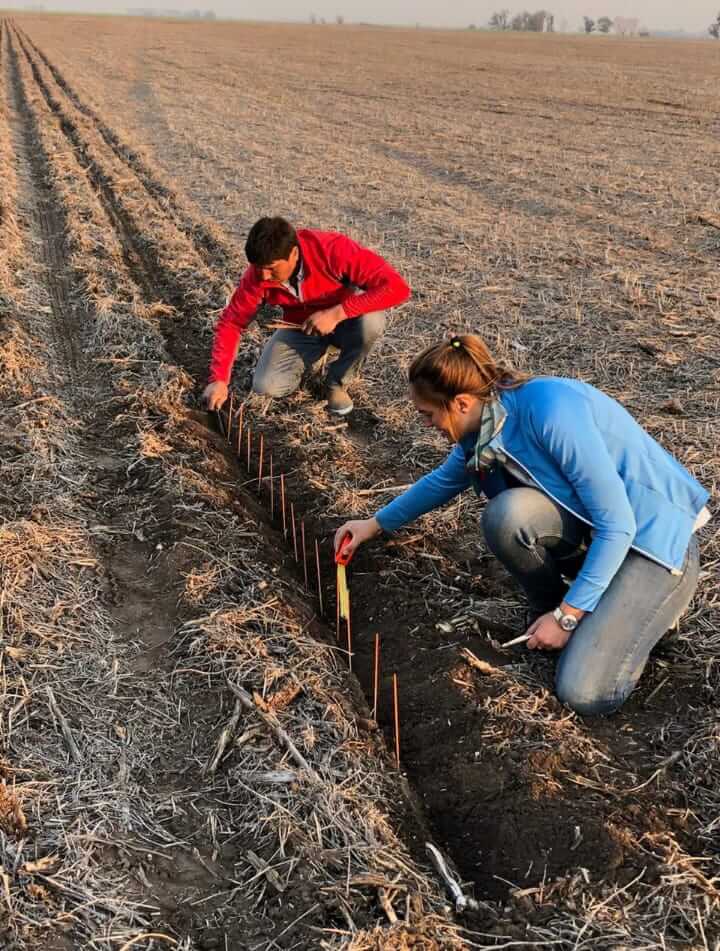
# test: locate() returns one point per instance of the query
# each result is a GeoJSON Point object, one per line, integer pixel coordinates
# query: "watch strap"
{"type": "Point", "coordinates": [563, 619]}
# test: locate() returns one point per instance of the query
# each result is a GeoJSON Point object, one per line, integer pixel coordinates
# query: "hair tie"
{"type": "Point", "coordinates": [456, 342]}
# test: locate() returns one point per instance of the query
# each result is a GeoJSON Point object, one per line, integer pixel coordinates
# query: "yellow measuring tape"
{"type": "Point", "coordinates": [343, 593]}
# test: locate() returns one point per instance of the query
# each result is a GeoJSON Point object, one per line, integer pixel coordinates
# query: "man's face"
{"type": "Point", "coordinates": [280, 270]}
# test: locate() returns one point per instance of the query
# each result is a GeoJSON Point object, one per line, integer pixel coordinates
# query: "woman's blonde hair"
{"type": "Point", "coordinates": [462, 364]}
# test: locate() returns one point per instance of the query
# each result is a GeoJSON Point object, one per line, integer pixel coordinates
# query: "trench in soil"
{"type": "Point", "coordinates": [189, 881]}
{"type": "Point", "coordinates": [501, 799]}
{"type": "Point", "coordinates": [512, 813]}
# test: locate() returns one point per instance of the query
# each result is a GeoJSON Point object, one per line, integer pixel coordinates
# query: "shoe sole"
{"type": "Point", "coordinates": [341, 412]}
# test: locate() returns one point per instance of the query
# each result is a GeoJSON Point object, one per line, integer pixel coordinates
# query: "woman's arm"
{"type": "Point", "coordinates": [430, 492]}
{"type": "Point", "coordinates": [433, 490]}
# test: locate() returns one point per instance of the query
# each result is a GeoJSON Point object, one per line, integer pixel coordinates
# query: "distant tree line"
{"type": "Point", "coordinates": [621, 26]}
{"type": "Point", "coordinates": [714, 28]}
{"type": "Point", "coordinates": [541, 21]}
{"type": "Point", "coordinates": [172, 14]}
{"type": "Point", "coordinates": [339, 19]}
{"type": "Point", "coordinates": [602, 24]}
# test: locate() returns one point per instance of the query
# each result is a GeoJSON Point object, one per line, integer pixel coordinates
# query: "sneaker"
{"type": "Point", "coordinates": [338, 400]}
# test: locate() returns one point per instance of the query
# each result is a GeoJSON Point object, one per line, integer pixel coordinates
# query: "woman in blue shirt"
{"type": "Point", "coordinates": [577, 490]}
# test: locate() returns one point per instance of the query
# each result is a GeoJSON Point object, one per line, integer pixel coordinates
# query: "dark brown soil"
{"type": "Point", "coordinates": [508, 819]}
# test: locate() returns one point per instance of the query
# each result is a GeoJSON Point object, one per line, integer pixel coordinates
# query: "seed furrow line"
{"type": "Point", "coordinates": [142, 257]}
{"type": "Point", "coordinates": [64, 324]}
{"type": "Point", "coordinates": [208, 246]}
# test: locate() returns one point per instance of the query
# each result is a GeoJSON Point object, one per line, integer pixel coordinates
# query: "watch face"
{"type": "Point", "coordinates": [568, 622]}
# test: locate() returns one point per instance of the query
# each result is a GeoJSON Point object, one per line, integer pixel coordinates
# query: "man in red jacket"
{"type": "Point", "coordinates": [331, 289]}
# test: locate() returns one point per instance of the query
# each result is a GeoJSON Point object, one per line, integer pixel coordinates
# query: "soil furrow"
{"type": "Point", "coordinates": [65, 311]}
{"type": "Point", "coordinates": [206, 243]}
{"type": "Point", "coordinates": [183, 832]}
{"type": "Point", "coordinates": [141, 597]}
{"type": "Point", "coordinates": [142, 270]}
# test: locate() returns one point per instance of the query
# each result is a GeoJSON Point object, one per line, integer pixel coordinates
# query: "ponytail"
{"type": "Point", "coordinates": [462, 364]}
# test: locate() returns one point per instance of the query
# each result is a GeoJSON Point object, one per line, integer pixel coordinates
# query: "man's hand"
{"type": "Point", "coordinates": [324, 322]}
{"type": "Point", "coordinates": [359, 530]}
{"type": "Point", "coordinates": [215, 394]}
{"type": "Point", "coordinates": [546, 634]}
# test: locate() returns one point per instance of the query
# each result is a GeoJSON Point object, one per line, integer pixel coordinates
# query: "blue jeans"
{"type": "Point", "coordinates": [539, 543]}
{"type": "Point", "coordinates": [289, 353]}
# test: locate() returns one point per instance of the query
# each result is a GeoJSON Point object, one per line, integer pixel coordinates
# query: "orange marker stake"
{"type": "Point", "coordinates": [282, 499]}
{"type": "Point", "coordinates": [260, 466]}
{"type": "Point", "coordinates": [396, 706]}
{"type": "Point", "coordinates": [376, 676]}
{"type": "Point", "coordinates": [319, 577]}
{"type": "Point", "coordinates": [304, 553]}
{"type": "Point", "coordinates": [230, 415]}
{"type": "Point", "coordinates": [240, 429]}
{"type": "Point", "coordinates": [272, 490]}
{"type": "Point", "coordinates": [292, 516]}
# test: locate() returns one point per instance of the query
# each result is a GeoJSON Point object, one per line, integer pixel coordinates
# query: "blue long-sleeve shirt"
{"type": "Point", "coordinates": [585, 451]}
{"type": "Point", "coordinates": [431, 492]}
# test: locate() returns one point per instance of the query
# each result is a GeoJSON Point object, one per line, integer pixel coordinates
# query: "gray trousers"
{"type": "Point", "coordinates": [539, 542]}
{"type": "Point", "coordinates": [288, 353]}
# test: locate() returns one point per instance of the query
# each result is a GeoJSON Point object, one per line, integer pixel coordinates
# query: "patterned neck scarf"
{"type": "Point", "coordinates": [492, 421]}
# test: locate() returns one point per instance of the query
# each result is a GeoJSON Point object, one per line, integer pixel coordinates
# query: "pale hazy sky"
{"type": "Point", "coordinates": [690, 15]}
{"type": "Point", "coordinates": [660, 14]}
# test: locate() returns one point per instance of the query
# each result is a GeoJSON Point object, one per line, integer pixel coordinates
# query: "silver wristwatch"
{"type": "Point", "coordinates": [568, 622]}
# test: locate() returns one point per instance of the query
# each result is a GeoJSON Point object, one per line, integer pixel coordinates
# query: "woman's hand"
{"type": "Point", "coordinates": [359, 530]}
{"type": "Point", "coordinates": [546, 634]}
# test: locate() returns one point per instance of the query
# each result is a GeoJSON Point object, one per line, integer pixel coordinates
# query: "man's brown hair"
{"type": "Point", "coordinates": [270, 239]}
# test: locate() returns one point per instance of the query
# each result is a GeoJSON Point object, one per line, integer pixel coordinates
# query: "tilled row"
{"type": "Point", "coordinates": [134, 214]}
{"type": "Point", "coordinates": [57, 644]}
{"type": "Point", "coordinates": [205, 237]}
{"type": "Point", "coordinates": [324, 855]}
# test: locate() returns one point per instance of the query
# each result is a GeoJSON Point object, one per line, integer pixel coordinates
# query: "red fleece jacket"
{"type": "Point", "coordinates": [330, 262]}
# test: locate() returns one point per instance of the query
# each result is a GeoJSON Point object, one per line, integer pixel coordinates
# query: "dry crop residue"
{"type": "Point", "coordinates": [592, 832]}
{"type": "Point", "coordinates": [139, 806]}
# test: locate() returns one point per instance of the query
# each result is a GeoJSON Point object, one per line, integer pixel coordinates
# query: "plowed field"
{"type": "Point", "coordinates": [186, 758]}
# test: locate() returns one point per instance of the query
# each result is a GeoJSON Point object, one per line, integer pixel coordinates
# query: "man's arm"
{"type": "Point", "coordinates": [234, 319]}
{"type": "Point", "coordinates": [382, 285]}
